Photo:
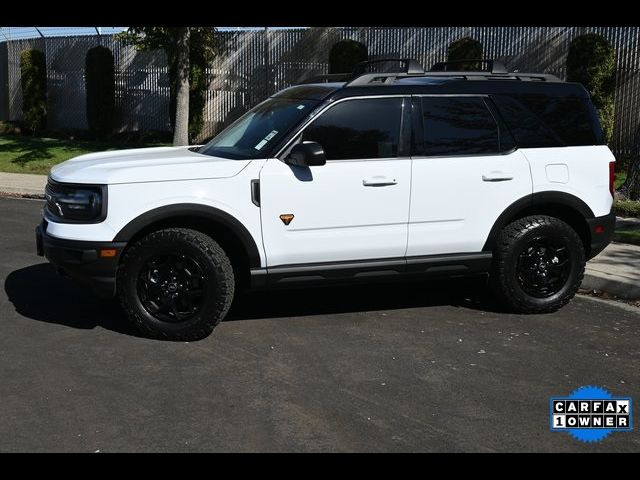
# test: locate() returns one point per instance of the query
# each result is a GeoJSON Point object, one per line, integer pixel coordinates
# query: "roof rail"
{"type": "Point", "coordinates": [493, 66]}
{"type": "Point", "coordinates": [495, 71]}
{"type": "Point", "coordinates": [329, 77]}
{"type": "Point", "coordinates": [411, 66]}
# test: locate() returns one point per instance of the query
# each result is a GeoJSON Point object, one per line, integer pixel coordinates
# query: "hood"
{"type": "Point", "coordinates": [137, 165]}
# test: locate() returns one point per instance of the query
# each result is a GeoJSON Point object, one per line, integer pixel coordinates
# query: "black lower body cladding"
{"type": "Point", "coordinates": [82, 260]}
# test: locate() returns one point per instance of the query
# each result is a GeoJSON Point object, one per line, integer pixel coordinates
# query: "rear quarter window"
{"type": "Point", "coordinates": [544, 121]}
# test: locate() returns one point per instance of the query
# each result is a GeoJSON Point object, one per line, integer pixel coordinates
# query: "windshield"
{"type": "Point", "coordinates": [258, 130]}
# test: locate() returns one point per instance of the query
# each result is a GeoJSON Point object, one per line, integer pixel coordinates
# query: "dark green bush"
{"type": "Point", "coordinates": [345, 54]}
{"type": "Point", "coordinates": [591, 61]}
{"type": "Point", "coordinates": [100, 86]}
{"type": "Point", "coordinates": [627, 208]}
{"type": "Point", "coordinates": [465, 49]}
{"type": "Point", "coordinates": [33, 70]}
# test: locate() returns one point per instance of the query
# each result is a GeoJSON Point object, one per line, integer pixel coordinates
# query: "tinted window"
{"type": "Point", "coordinates": [368, 128]}
{"type": "Point", "coordinates": [543, 121]}
{"type": "Point", "coordinates": [458, 126]}
{"type": "Point", "coordinates": [527, 128]}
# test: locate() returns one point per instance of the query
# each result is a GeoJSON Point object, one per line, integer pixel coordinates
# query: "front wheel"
{"type": "Point", "coordinates": [538, 264]}
{"type": "Point", "coordinates": [175, 284]}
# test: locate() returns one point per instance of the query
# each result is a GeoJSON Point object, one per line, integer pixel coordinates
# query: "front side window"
{"type": "Point", "coordinates": [257, 131]}
{"type": "Point", "coordinates": [458, 126]}
{"type": "Point", "coordinates": [358, 129]}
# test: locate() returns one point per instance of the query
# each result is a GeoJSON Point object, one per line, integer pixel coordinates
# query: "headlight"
{"type": "Point", "coordinates": [68, 203]}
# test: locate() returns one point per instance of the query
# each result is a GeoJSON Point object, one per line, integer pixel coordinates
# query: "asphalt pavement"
{"type": "Point", "coordinates": [426, 366]}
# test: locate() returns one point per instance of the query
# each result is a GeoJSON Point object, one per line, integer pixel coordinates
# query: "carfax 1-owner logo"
{"type": "Point", "coordinates": [590, 414]}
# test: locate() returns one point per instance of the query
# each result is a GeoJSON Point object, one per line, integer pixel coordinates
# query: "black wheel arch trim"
{"type": "Point", "coordinates": [193, 210]}
{"type": "Point", "coordinates": [535, 199]}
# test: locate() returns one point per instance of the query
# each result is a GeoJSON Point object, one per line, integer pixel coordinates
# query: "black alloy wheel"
{"type": "Point", "coordinates": [175, 284]}
{"type": "Point", "coordinates": [538, 264]}
{"type": "Point", "coordinates": [171, 287]}
{"type": "Point", "coordinates": [543, 266]}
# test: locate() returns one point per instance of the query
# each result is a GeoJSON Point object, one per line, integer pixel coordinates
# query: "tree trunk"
{"type": "Point", "coordinates": [181, 130]}
{"type": "Point", "coordinates": [631, 187]}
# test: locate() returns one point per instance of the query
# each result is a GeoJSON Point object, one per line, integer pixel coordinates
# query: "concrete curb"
{"type": "Point", "coordinates": [612, 284]}
{"type": "Point", "coordinates": [20, 194]}
{"type": "Point", "coordinates": [22, 184]}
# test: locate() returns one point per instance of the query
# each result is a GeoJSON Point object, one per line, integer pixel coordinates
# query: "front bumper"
{"type": "Point", "coordinates": [82, 260]}
{"type": "Point", "coordinates": [601, 229]}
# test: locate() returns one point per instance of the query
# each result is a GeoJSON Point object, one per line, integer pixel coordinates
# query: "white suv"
{"type": "Point", "coordinates": [386, 175]}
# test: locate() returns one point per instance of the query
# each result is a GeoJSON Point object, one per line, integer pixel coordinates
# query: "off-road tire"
{"type": "Point", "coordinates": [511, 242]}
{"type": "Point", "coordinates": [215, 265]}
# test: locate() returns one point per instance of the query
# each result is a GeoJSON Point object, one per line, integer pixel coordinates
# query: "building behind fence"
{"type": "Point", "coordinates": [255, 64]}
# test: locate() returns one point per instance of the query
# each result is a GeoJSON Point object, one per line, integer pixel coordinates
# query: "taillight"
{"type": "Point", "coordinates": [612, 178]}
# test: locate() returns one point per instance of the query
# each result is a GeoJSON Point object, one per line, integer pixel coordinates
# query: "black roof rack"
{"type": "Point", "coordinates": [493, 66]}
{"type": "Point", "coordinates": [411, 66]}
{"type": "Point", "coordinates": [412, 69]}
{"type": "Point", "coordinates": [328, 77]}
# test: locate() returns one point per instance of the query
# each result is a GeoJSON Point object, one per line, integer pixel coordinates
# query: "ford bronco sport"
{"type": "Point", "coordinates": [394, 174]}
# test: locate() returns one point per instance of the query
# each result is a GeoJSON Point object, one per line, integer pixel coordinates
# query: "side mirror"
{"type": "Point", "coordinates": [307, 154]}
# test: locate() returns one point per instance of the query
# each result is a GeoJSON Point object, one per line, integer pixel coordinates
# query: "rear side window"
{"type": "Point", "coordinates": [457, 126]}
{"type": "Point", "coordinates": [358, 129]}
{"type": "Point", "coordinates": [543, 121]}
{"type": "Point", "coordinates": [528, 130]}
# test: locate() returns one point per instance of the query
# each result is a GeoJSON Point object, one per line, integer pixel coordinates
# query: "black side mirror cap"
{"type": "Point", "coordinates": [307, 154]}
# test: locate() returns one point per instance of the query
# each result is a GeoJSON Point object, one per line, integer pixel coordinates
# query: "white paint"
{"type": "Point", "coordinates": [337, 216]}
{"type": "Point", "coordinates": [557, 173]}
{"type": "Point", "coordinates": [588, 171]}
{"type": "Point", "coordinates": [456, 200]}
{"type": "Point", "coordinates": [158, 164]}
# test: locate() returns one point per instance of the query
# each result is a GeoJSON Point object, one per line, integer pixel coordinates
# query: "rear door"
{"type": "Point", "coordinates": [465, 173]}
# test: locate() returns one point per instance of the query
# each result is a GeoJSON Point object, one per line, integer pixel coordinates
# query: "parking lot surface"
{"type": "Point", "coordinates": [426, 366]}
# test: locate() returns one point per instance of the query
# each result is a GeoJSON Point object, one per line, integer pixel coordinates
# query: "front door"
{"type": "Point", "coordinates": [356, 207]}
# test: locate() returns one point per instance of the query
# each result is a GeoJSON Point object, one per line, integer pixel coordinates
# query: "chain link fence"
{"type": "Point", "coordinates": [255, 64]}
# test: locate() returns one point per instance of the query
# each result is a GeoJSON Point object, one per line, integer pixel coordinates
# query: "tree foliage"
{"type": "Point", "coordinates": [100, 87]}
{"type": "Point", "coordinates": [465, 49]}
{"type": "Point", "coordinates": [591, 61]}
{"type": "Point", "coordinates": [204, 45]}
{"type": "Point", "coordinates": [345, 54]}
{"type": "Point", "coordinates": [33, 71]}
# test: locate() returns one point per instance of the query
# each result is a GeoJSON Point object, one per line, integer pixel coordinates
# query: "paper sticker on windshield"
{"type": "Point", "coordinates": [300, 107]}
{"type": "Point", "coordinates": [264, 141]}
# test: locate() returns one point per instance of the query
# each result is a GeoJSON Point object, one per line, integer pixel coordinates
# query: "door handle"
{"type": "Point", "coordinates": [379, 181]}
{"type": "Point", "coordinates": [497, 177]}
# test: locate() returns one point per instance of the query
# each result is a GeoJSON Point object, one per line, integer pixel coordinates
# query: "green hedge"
{"type": "Point", "coordinates": [627, 208]}
{"type": "Point", "coordinates": [345, 54]}
{"type": "Point", "coordinates": [465, 49]}
{"type": "Point", "coordinates": [100, 87]}
{"type": "Point", "coordinates": [33, 69]}
{"type": "Point", "coordinates": [591, 61]}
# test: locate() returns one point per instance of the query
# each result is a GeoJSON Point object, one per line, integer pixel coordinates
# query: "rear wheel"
{"type": "Point", "coordinates": [538, 264]}
{"type": "Point", "coordinates": [176, 284]}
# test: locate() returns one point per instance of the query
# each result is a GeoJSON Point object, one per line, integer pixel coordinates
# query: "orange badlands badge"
{"type": "Point", "coordinates": [286, 218]}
